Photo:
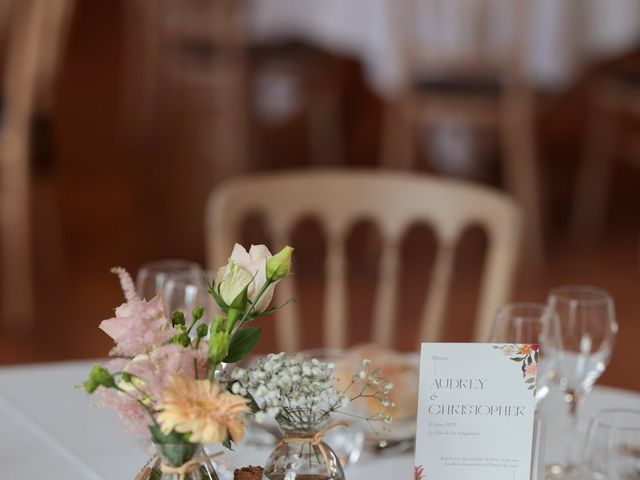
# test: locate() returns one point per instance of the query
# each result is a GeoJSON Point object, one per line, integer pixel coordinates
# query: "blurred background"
{"type": "Point", "coordinates": [120, 117]}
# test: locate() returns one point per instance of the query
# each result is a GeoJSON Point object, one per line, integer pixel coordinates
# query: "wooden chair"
{"type": "Point", "coordinates": [479, 83]}
{"type": "Point", "coordinates": [197, 49]}
{"type": "Point", "coordinates": [338, 198]}
{"type": "Point", "coordinates": [614, 99]}
{"type": "Point", "coordinates": [34, 35]}
{"type": "Point", "coordinates": [312, 74]}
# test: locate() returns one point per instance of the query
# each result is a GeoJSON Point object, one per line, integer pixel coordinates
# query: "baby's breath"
{"type": "Point", "coordinates": [303, 393]}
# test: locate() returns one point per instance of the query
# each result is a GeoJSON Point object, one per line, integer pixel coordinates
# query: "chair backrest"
{"type": "Point", "coordinates": [189, 40]}
{"type": "Point", "coordinates": [464, 37]}
{"type": "Point", "coordinates": [395, 201]}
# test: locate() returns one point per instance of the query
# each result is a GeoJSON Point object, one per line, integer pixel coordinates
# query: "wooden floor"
{"type": "Point", "coordinates": [109, 200]}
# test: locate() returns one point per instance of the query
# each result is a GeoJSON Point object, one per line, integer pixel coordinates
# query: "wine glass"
{"type": "Point", "coordinates": [612, 446]}
{"type": "Point", "coordinates": [525, 323]}
{"type": "Point", "coordinates": [579, 341]}
{"type": "Point", "coordinates": [180, 281]}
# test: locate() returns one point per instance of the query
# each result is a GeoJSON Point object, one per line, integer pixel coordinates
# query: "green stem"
{"type": "Point", "coordinates": [191, 326]}
{"type": "Point", "coordinates": [251, 309]}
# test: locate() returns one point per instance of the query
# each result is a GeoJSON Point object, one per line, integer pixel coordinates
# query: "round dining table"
{"type": "Point", "coordinates": [49, 428]}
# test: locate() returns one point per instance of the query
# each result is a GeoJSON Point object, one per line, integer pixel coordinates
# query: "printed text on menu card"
{"type": "Point", "coordinates": [475, 411]}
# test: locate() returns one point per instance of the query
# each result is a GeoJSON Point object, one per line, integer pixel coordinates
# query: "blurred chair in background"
{"type": "Point", "coordinates": [469, 69]}
{"type": "Point", "coordinates": [615, 100]}
{"type": "Point", "coordinates": [395, 201]}
{"type": "Point", "coordinates": [198, 50]}
{"type": "Point", "coordinates": [290, 77]}
{"type": "Point", "coordinates": [34, 34]}
{"type": "Point", "coordinates": [189, 53]}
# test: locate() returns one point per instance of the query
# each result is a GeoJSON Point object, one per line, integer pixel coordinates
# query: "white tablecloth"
{"type": "Point", "coordinates": [48, 426]}
{"type": "Point", "coordinates": [368, 30]}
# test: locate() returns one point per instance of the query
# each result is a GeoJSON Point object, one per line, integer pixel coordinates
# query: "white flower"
{"type": "Point", "coordinates": [246, 268]}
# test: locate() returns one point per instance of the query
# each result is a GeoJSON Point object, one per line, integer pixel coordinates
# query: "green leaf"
{"type": "Point", "coordinates": [216, 296]}
{"type": "Point", "coordinates": [517, 359]}
{"type": "Point", "coordinates": [242, 343]}
{"type": "Point", "coordinates": [241, 299]}
{"type": "Point", "coordinates": [531, 380]}
{"type": "Point", "coordinates": [272, 310]}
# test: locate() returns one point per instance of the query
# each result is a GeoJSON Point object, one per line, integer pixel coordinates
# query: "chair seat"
{"type": "Point", "coordinates": [484, 86]}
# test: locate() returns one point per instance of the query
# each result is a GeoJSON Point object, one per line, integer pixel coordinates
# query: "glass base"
{"type": "Point", "coordinates": [562, 472]}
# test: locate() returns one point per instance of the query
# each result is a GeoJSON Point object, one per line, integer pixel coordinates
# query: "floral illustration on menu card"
{"type": "Point", "coordinates": [418, 472]}
{"type": "Point", "coordinates": [526, 355]}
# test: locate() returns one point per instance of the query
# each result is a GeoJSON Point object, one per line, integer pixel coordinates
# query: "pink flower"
{"type": "Point", "coordinates": [531, 370]}
{"type": "Point", "coordinates": [418, 472]}
{"type": "Point", "coordinates": [155, 368]}
{"type": "Point", "coordinates": [126, 283]}
{"type": "Point", "coordinates": [138, 326]}
{"type": "Point", "coordinates": [129, 410]}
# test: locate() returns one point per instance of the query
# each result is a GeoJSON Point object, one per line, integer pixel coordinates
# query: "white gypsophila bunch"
{"type": "Point", "coordinates": [303, 393]}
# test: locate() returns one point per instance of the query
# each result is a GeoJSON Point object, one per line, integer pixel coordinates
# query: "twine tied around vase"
{"type": "Point", "coordinates": [188, 467]}
{"type": "Point", "coordinates": [316, 440]}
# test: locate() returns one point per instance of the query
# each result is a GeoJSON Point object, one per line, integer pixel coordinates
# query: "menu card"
{"type": "Point", "coordinates": [475, 411]}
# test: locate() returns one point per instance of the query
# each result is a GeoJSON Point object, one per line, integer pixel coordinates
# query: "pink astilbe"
{"type": "Point", "coordinates": [126, 282]}
{"type": "Point", "coordinates": [155, 369]}
{"type": "Point", "coordinates": [130, 411]}
{"type": "Point", "coordinates": [150, 375]}
{"type": "Point", "coordinates": [138, 327]}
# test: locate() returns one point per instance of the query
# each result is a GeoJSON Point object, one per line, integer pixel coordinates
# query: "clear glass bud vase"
{"type": "Point", "coordinates": [178, 461]}
{"type": "Point", "coordinates": [303, 455]}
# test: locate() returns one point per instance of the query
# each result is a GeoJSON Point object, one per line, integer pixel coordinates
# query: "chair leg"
{"type": "Point", "coordinates": [15, 243]}
{"type": "Point", "coordinates": [521, 172]}
{"type": "Point", "coordinates": [398, 140]}
{"type": "Point", "coordinates": [594, 177]}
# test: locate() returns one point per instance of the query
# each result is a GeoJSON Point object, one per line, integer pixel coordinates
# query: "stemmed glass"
{"type": "Point", "coordinates": [180, 281]}
{"type": "Point", "coordinates": [612, 446]}
{"type": "Point", "coordinates": [579, 341]}
{"type": "Point", "coordinates": [525, 323]}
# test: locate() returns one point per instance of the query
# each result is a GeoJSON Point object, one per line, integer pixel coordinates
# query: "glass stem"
{"type": "Point", "coordinates": [573, 400]}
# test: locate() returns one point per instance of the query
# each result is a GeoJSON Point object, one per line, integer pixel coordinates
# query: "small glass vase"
{"type": "Point", "coordinates": [303, 455]}
{"type": "Point", "coordinates": [178, 461]}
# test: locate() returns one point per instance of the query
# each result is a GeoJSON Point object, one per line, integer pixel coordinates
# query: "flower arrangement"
{"type": "Point", "coordinates": [162, 377]}
{"type": "Point", "coordinates": [302, 394]}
